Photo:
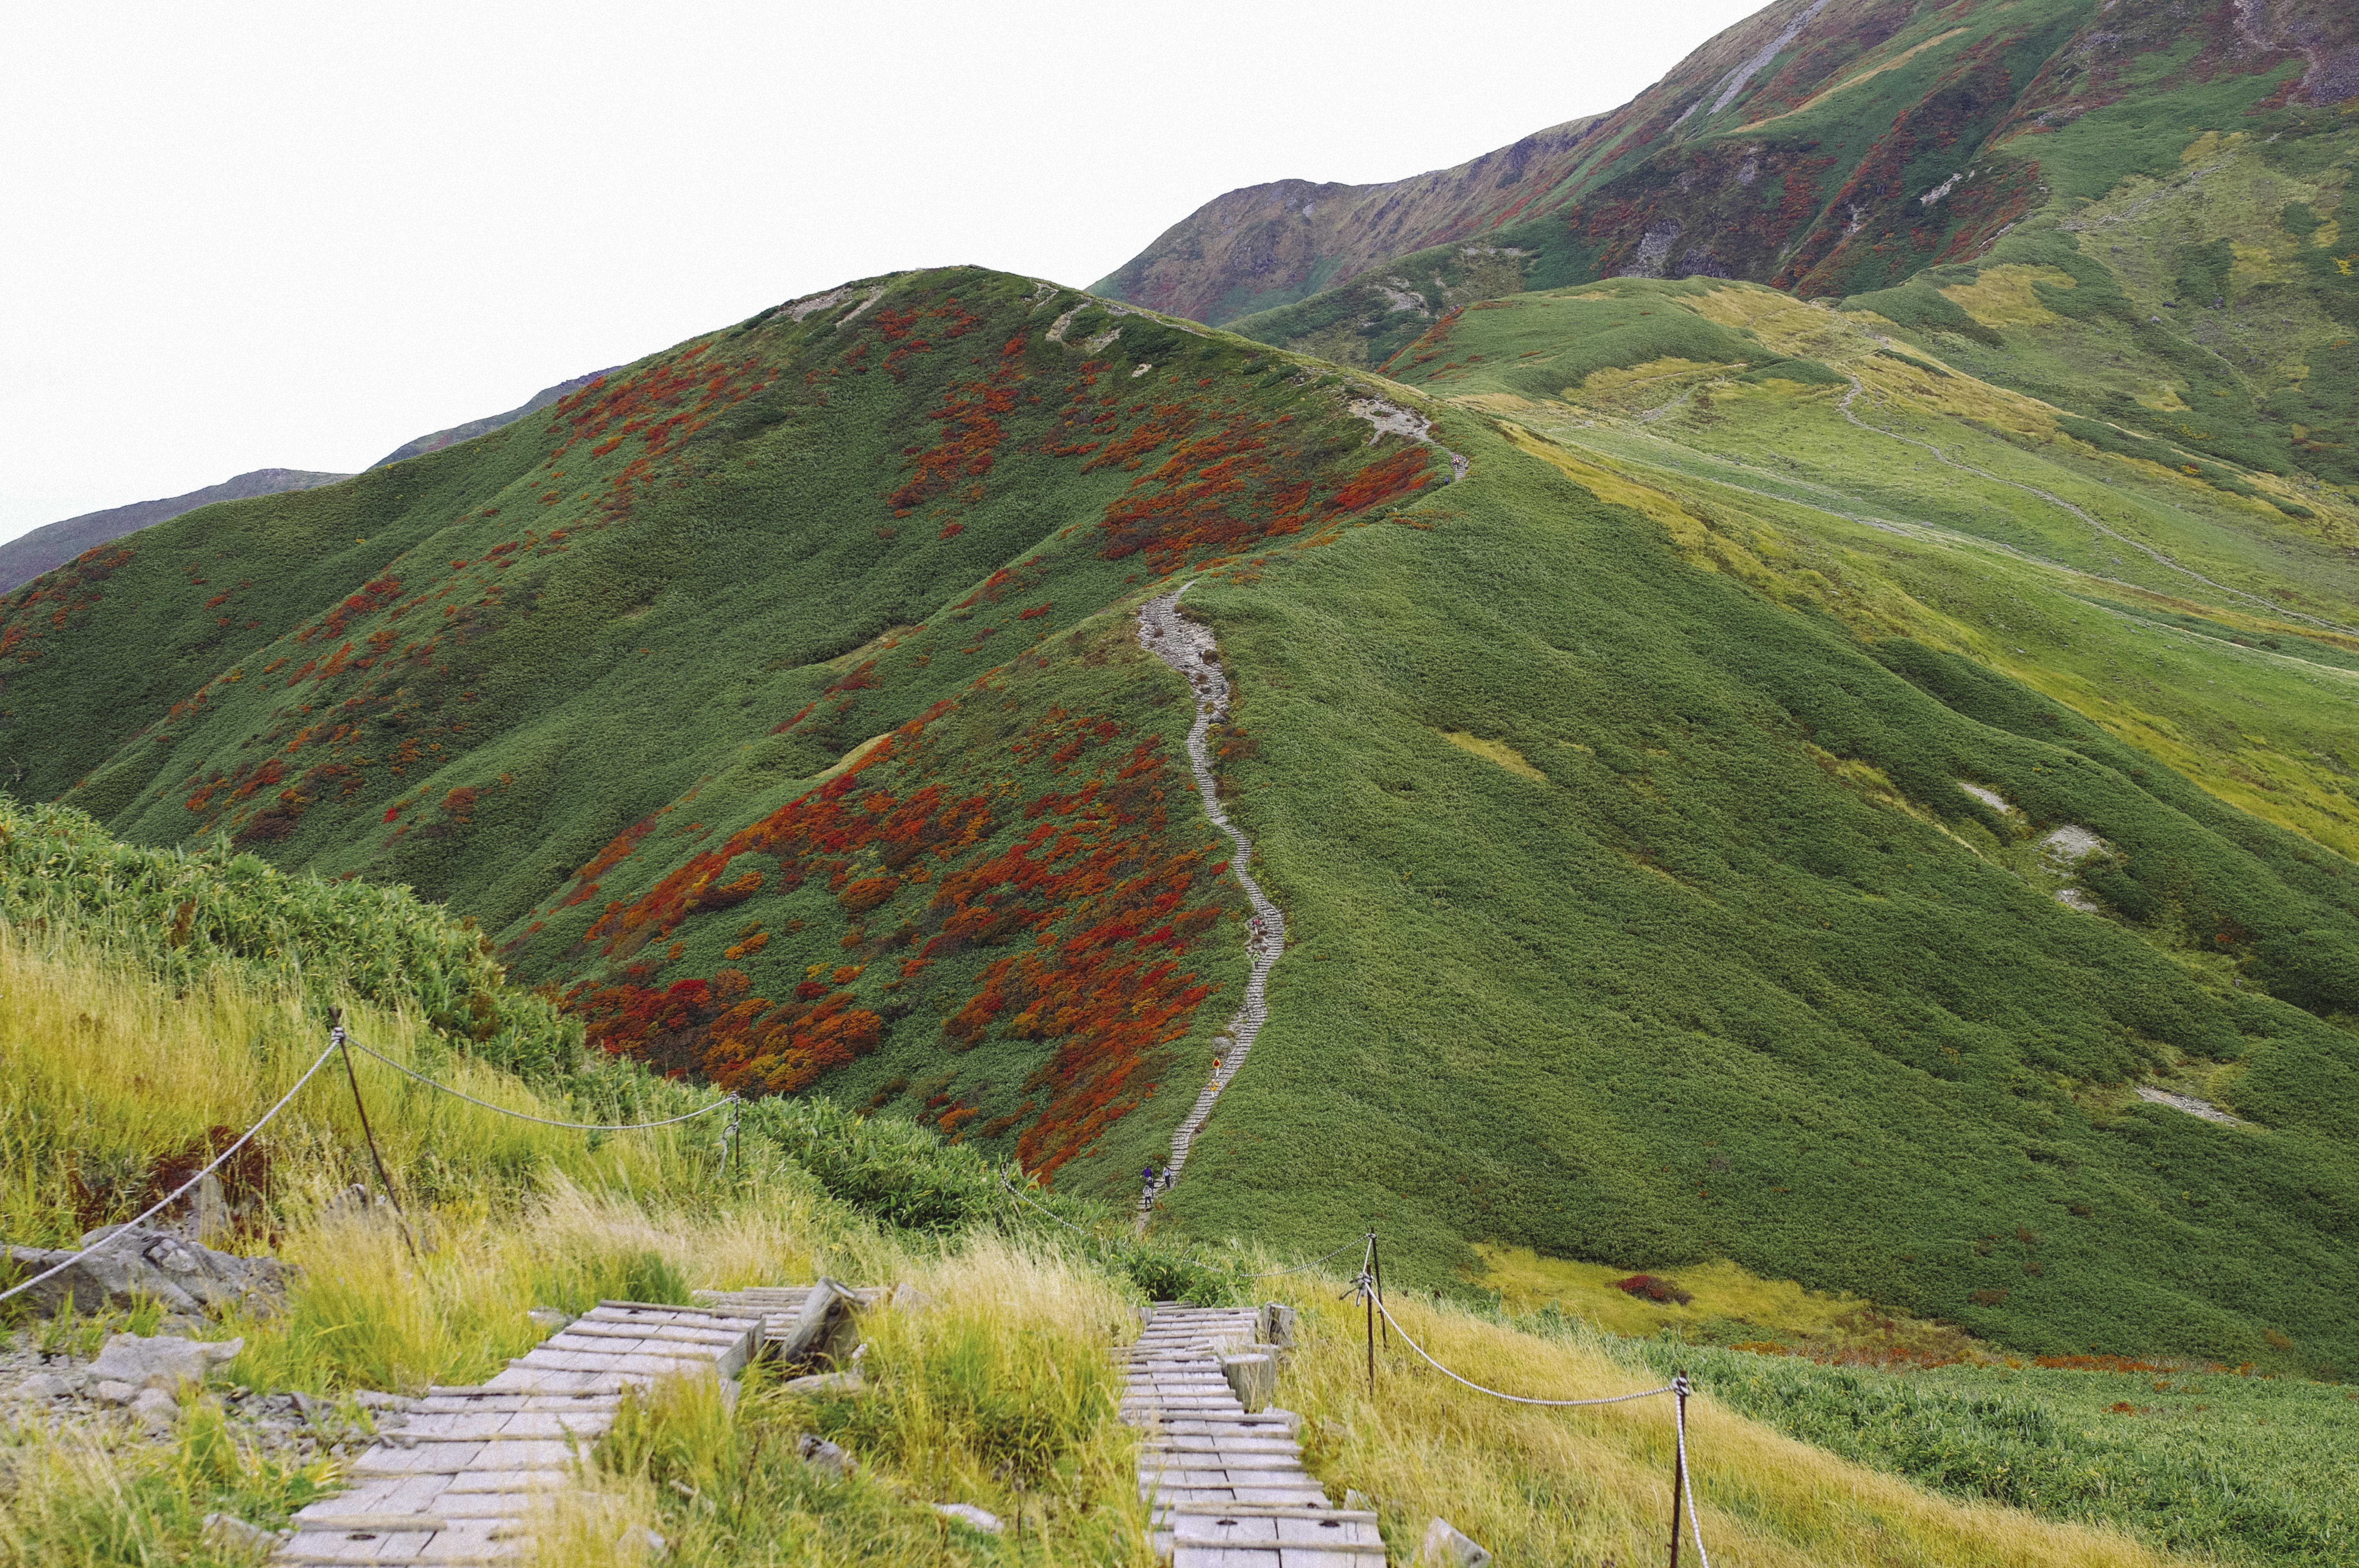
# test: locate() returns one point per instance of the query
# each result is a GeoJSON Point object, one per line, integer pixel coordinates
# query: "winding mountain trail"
{"type": "Point", "coordinates": [2158, 556]}
{"type": "Point", "coordinates": [1190, 648]}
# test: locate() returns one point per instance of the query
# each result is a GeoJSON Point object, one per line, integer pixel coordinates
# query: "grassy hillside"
{"type": "Point", "coordinates": [1661, 883]}
{"type": "Point", "coordinates": [999, 1392]}
{"type": "Point", "coordinates": [2134, 216]}
{"type": "Point", "coordinates": [837, 543]}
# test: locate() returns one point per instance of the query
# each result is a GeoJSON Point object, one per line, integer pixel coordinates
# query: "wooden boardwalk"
{"type": "Point", "coordinates": [1225, 1487]}
{"type": "Point", "coordinates": [454, 1483]}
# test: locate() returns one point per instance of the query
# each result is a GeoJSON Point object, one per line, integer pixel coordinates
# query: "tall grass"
{"type": "Point", "coordinates": [102, 1497]}
{"type": "Point", "coordinates": [994, 1387]}
{"type": "Point", "coordinates": [187, 912]}
{"type": "Point", "coordinates": [369, 1315]}
{"type": "Point", "coordinates": [1588, 1486]}
{"type": "Point", "coordinates": [2254, 1469]}
{"type": "Point", "coordinates": [114, 1080]}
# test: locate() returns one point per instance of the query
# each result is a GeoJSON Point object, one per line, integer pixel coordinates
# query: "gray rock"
{"type": "Point", "coordinates": [162, 1362]}
{"type": "Point", "coordinates": [1443, 1547]}
{"type": "Point", "coordinates": [907, 1297]}
{"type": "Point", "coordinates": [370, 1399]}
{"type": "Point", "coordinates": [973, 1517]}
{"type": "Point", "coordinates": [155, 1407]}
{"type": "Point", "coordinates": [826, 1383]}
{"type": "Point", "coordinates": [230, 1536]}
{"type": "Point", "coordinates": [117, 1263]}
{"type": "Point", "coordinates": [41, 1386]}
{"type": "Point", "coordinates": [821, 1454]}
{"type": "Point", "coordinates": [115, 1391]}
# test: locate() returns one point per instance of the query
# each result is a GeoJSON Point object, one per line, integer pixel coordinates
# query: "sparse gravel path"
{"type": "Point", "coordinates": [1189, 647]}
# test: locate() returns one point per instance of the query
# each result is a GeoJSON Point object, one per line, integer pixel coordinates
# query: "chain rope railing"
{"type": "Point", "coordinates": [1369, 1287]}
{"type": "Point", "coordinates": [184, 1188]}
{"type": "Point", "coordinates": [1367, 1283]}
{"type": "Point", "coordinates": [341, 1044]}
{"type": "Point", "coordinates": [733, 1098]}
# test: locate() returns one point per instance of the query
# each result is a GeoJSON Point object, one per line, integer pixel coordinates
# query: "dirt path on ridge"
{"type": "Point", "coordinates": [1187, 647]}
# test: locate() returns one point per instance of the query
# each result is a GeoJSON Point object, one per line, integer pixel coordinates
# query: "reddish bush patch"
{"type": "Point", "coordinates": [1653, 1289]}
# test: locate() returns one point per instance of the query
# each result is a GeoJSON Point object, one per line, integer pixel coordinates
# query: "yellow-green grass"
{"type": "Point", "coordinates": [1587, 1485]}
{"type": "Point", "coordinates": [995, 1388]}
{"type": "Point", "coordinates": [1769, 482]}
{"type": "Point", "coordinates": [108, 1076]}
{"type": "Point", "coordinates": [1727, 1302]}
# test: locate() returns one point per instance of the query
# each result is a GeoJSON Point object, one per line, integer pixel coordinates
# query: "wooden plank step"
{"type": "Point", "coordinates": [1175, 1466]}
{"type": "Point", "coordinates": [1350, 1516]}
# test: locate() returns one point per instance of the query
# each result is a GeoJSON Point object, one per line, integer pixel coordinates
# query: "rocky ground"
{"type": "Point", "coordinates": [135, 1384]}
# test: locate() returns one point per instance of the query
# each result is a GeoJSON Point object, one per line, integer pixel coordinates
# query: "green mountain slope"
{"type": "Point", "coordinates": [52, 545]}
{"type": "Point", "coordinates": [2133, 214]}
{"type": "Point", "coordinates": [565, 675]}
{"type": "Point", "coordinates": [777, 699]}
{"type": "Point", "coordinates": [1829, 145]}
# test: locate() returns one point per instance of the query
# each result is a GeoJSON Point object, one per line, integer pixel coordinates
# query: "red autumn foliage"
{"type": "Point", "coordinates": [859, 897]}
{"type": "Point", "coordinates": [1653, 1288]}
{"type": "Point", "coordinates": [1095, 902]}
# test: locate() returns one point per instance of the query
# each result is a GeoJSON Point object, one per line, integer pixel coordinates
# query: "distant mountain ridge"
{"type": "Point", "coordinates": [29, 554]}
{"type": "Point", "coordinates": [434, 441]}
{"type": "Point", "coordinates": [1828, 146]}
{"type": "Point", "coordinates": [1267, 245]}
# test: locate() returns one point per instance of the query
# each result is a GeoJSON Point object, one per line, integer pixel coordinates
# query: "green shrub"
{"type": "Point", "coordinates": [1166, 1273]}
{"type": "Point", "coordinates": [187, 911]}
{"type": "Point", "coordinates": [900, 1172]}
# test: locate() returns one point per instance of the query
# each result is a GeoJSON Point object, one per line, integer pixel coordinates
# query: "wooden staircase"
{"type": "Point", "coordinates": [452, 1484]}
{"type": "Point", "coordinates": [1225, 1487]}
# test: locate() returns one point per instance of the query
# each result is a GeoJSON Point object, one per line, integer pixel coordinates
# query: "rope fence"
{"type": "Point", "coordinates": [1297, 1268]}
{"type": "Point", "coordinates": [1514, 1398]}
{"type": "Point", "coordinates": [729, 1098]}
{"type": "Point", "coordinates": [185, 1187]}
{"type": "Point", "coordinates": [1370, 1289]}
{"type": "Point", "coordinates": [1010, 1187]}
{"type": "Point", "coordinates": [340, 1043]}
{"type": "Point", "coordinates": [1368, 1284]}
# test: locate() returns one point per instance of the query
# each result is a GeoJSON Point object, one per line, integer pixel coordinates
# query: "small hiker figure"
{"type": "Point", "coordinates": [1148, 1196]}
{"type": "Point", "coordinates": [1166, 1178]}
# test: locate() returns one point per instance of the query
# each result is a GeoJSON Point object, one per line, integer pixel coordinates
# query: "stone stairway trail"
{"type": "Point", "coordinates": [1188, 648]}
{"type": "Point", "coordinates": [454, 1482]}
{"type": "Point", "coordinates": [1225, 1487]}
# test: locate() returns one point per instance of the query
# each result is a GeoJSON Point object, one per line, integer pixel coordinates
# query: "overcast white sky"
{"type": "Point", "coordinates": [255, 234]}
